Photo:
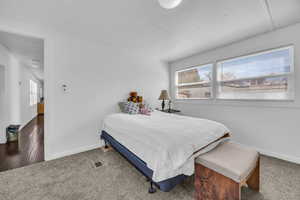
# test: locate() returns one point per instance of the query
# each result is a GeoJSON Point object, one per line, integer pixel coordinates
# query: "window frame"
{"type": "Point", "coordinates": [290, 75]}
{"type": "Point", "coordinates": [195, 83]}
{"type": "Point", "coordinates": [215, 83]}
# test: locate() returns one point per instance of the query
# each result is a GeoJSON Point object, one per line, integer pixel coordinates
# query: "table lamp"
{"type": "Point", "coordinates": [163, 96]}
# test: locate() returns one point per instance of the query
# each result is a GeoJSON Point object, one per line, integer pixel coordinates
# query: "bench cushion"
{"type": "Point", "coordinates": [231, 160]}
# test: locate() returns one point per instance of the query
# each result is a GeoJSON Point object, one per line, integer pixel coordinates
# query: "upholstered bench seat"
{"type": "Point", "coordinates": [221, 172]}
{"type": "Point", "coordinates": [231, 160]}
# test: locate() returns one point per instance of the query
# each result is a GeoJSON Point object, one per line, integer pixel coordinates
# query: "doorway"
{"type": "Point", "coordinates": [21, 100]}
{"type": "Point", "coordinates": [2, 99]}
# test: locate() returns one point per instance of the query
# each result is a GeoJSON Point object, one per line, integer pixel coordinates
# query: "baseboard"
{"type": "Point", "coordinates": [27, 123]}
{"type": "Point", "coordinates": [292, 159]}
{"type": "Point", "coordinates": [73, 151]}
{"type": "Point", "coordinates": [279, 156]}
{"type": "Point", "coordinates": [3, 141]}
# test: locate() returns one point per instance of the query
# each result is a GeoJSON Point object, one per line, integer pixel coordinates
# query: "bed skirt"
{"type": "Point", "coordinates": [140, 165]}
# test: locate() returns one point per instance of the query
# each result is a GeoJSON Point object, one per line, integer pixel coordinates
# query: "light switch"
{"type": "Point", "coordinates": [64, 88]}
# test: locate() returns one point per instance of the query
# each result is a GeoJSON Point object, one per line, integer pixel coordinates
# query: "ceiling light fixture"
{"type": "Point", "coordinates": [169, 4]}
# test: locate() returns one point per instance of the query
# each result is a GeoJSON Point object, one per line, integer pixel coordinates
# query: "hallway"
{"type": "Point", "coordinates": [29, 149]}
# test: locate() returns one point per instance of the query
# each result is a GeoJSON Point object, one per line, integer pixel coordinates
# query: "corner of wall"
{"type": "Point", "coordinates": [49, 156]}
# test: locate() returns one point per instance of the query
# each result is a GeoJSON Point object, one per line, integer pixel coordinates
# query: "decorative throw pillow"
{"type": "Point", "coordinates": [148, 107]}
{"type": "Point", "coordinates": [132, 108]}
{"type": "Point", "coordinates": [122, 106]}
{"type": "Point", "coordinates": [145, 111]}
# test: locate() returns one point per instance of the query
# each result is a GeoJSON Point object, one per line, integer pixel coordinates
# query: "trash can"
{"type": "Point", "coordinates": [12, 133]}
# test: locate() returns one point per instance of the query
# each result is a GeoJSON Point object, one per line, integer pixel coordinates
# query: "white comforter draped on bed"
{"type": "Point", "coordinates": [166, 142]}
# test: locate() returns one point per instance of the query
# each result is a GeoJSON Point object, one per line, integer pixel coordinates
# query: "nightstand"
{"type": "Point", "coordinates": [171, 111]}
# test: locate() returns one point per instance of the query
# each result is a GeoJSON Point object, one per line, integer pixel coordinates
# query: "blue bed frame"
{"type": "Point", "coordinates": [141, 166]}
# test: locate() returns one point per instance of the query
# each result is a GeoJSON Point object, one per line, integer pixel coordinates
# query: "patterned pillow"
{"type": "Point", "coordinates": [131, 108]}
{"type": "Point", "coordinates": [148, 107]}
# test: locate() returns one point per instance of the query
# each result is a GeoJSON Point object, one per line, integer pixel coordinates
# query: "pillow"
{"type": "Point", "coordinates": [145, 111]}
{"type": "Point", "coordinates": [131, 108]}
{"type": "Point", "coordinates": [122, 106]}
{"type": "Point", "coordinates": [148, 107]}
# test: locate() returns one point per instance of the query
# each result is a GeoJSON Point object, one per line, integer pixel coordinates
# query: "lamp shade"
{"type": "Point", "coordinates": [164, 95]}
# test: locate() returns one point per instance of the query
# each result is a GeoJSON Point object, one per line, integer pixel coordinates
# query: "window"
{"type": "Point", "coordinates": [263, 76]}
{"type": "Point", "coordinates": [267, 75]}
{"type": "Point", "coordinates": [194, 83]}
{"type": "Point", "coordinates": [33, 92]}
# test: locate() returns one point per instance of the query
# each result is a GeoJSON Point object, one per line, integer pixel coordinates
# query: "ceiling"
{"type": "Point", "coordinates": [27, 49]}
{"type": "Point", "coordinates": [143, 27]}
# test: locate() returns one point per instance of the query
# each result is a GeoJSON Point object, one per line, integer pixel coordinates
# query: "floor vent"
{"type": "Point", "coordinates": [98, 164]}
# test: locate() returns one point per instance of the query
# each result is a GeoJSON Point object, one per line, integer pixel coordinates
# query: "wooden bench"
{"type": "Point", "coordinates": [220, 173]}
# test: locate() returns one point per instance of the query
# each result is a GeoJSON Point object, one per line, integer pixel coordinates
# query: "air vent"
{"type": "Point", "coordinates": [98, 164]}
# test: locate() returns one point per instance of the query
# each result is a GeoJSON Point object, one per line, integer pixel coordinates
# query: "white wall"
{"type": "Point", "coordinates": [271, 127]}
{"type": "Point", "coordinates": [11, 95]}
{"type": "Point", "coordinates": [13, 90]}
{"type": "Point", "coordinates": [28, 112]}
{"type": "Point", "coordinates": [97, 77]}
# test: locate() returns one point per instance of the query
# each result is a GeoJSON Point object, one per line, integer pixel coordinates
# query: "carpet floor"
{"type": "Point", "coordinates": [76, 178]}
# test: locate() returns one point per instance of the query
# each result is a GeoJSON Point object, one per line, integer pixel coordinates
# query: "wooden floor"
{"type": "Point", "coordinates": [29, 149]}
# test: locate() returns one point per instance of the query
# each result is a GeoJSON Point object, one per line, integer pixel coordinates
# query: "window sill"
{"type": "Point", "coordinates": [188, 99]}
{"type": "Point", "coordinates": [241, 103]}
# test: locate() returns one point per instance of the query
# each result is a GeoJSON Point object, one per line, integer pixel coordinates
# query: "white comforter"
{"type": "Point", "coordinates": [166, 142]}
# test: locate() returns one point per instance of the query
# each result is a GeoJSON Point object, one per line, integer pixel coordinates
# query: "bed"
{"type": "Point", "coordinates": [162, 146]}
